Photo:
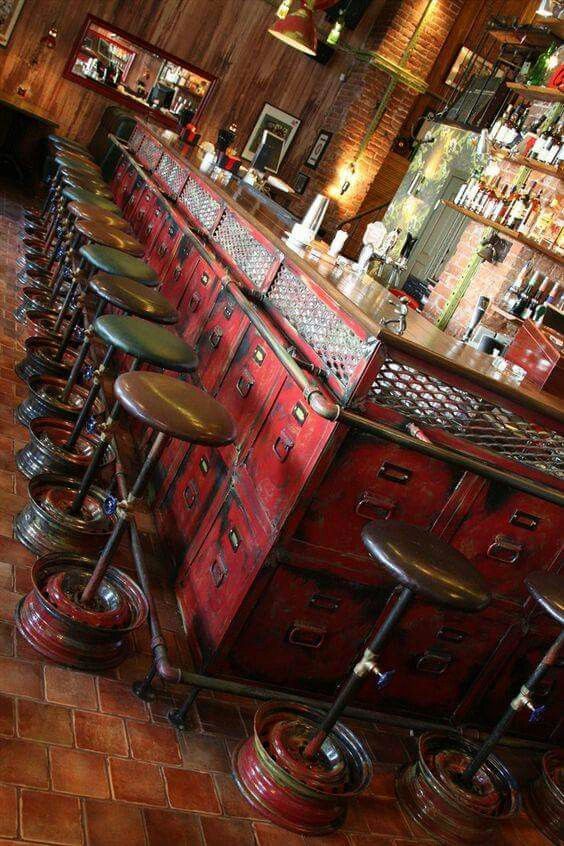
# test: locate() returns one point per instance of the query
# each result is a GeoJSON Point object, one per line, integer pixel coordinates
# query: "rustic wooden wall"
{"type": "Point", "coordinates": [225, 37]}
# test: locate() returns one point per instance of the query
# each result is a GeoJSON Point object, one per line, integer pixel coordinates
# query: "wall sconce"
{"type": "Point", "coordinates": [283, 9]}
{"type": "Point", "coordinates": [50, 39]}
{"type": "Point", "coordinates": [347, 178]}
{"type": "Point", "coordinates": [416, 185]}
{"type": "Point", "coordinates": [337, 29]}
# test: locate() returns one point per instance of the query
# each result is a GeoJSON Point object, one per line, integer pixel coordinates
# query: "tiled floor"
{"type": "Point", "coordinates": [82, 761]}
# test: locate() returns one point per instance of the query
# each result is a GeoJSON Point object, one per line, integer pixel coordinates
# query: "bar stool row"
{"type": "Point", "coordinates": [300, 766]}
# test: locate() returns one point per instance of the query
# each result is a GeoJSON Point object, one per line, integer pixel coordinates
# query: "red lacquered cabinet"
{"type": "Point", "coordinates": [264, 535]}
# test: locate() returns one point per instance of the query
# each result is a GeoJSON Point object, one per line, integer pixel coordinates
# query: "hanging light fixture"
{"type": "Point", "coordinates": [283, 9]}
{"type": "Point", "coordinates": [297, 30]}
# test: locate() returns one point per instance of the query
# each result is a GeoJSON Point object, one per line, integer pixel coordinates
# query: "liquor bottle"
{"type": "Point", "coordinates": [512, 294]}
{"type": "Point", "coordinates": [537, 299]}
{"type": "Point", "coordinates": [523, 301]}
{"type": "Point", "coordinates": [540, 69]}
{"type": "Point", "coordinates": [499, 126]}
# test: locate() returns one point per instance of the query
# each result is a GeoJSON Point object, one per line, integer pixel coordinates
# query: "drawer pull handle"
{"type": "Point", "coordinates": [451, 635]}
{"type": "Point", "coordinates": [234, 538]}
{"type": "Point", "coordinates": [302, 634]}
{"type": "Point", "coordinates": [228, 312]}
{"type": "Point", "coordinates": [190, 494]}
{"type": "Point", "coordinates": [161, 251]}
{"type": "Point", "coordinates": [244, 384]}
{"type": "Point", "coordinates": [259, 355]}
{"type": "Point", "coordinates": [324, 602]}
{"type": "Point", "coordinates": [215, 337]}
{"type": "Point", "coordinates": [394, 473]}
{"type": "Point", "coordinates": [525, 521]}
{"type": "Point", "coordinates": [176, 273]}
{"type": "Point", "coordinates": [218, 572]}
{"type": "Point", "coordinates": [434, 663]}
{"type": "Point", "coordinates": [299, 413]}
{"type": "Point", "coordinates": [504, 549]}
{"type": "Point", "coordinates": [282, 446]}
{"type": "Point", "coordinates": [373, 507]}
{"type": "Point", "coordinates": [204, 279]}
{"type": "Point", "coordinates": [194, 303]}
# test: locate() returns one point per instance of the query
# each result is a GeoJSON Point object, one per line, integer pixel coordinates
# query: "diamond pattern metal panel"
{"type": "Point", "coordinates": [149, 153]}
{"type": "Point", "coordinates": [200, 203]}
{"type": "Point", "coordinates": [250, 256]}
{"type": "Point", "coordinates": [172, 174]}
{"type": "Point", "coordinates": [334, 342]}
{"type": "Point", "coordinates": [429, 401]}
{"type": "Point", "coordinates": [136, 138]}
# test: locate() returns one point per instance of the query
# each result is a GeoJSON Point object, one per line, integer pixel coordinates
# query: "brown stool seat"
{"type": "Point", "coordinates": [109, 237]}
{"type": "Point", "coordinates": [175, 408]}
{"type": "Point", "coordinates": [426, 564]}
{"type": "Point", "coordinates": [90, 212]}
{"type": "Point", "coordinates": [83, 196]}
{"type": "Point", "coordinates": [76, 162]}
{"type": "Point", "coordinates": [548, 590]}
{"type": "Point", "coordinates": [133, 297]}
{"type": "Point", "coordinates": [72, 172]}
{"type": "Point", "coordinates": [61, 142]}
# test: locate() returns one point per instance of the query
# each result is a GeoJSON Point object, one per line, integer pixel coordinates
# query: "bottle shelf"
{"type": "Point", "coordinates": [537, 92]}
{"type": "Point", "coordinates": [505, 230]}
{"type": "Point", "coordinates": [532, 164]}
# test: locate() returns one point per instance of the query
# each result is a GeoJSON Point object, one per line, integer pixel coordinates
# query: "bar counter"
{"type": "Point", "coordinates": [340, 421]}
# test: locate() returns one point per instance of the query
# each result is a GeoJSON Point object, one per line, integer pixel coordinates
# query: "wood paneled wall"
{"type": "Point", "coordinates": [225, 37]}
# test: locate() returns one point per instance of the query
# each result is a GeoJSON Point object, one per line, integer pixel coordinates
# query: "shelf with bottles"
{"type": "Point", "coordinates": [507, 231]}
{"type": "Point", "coordinates": [536, 93]}
{"type": "Point", "coordinates": [527, 161]}
{"type": "Point", "coordinates": [529, 296]}
{"type": "Point", "coordinates": [529, 138]}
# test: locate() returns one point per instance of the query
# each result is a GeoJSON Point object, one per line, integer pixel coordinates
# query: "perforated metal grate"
{"type": "Point", "coordinates": [428, 400]}
{"type": "Point", "coordinates": [201, 204]}
{"type": "Point", "coordinates": [171, 174]}
{"type": "Point", "coordinates": [250, 256]}
{"type": "Point", "coordinates": [136, 138]}
{"type": "Point", "coordinates": [149, 153]}
{"type": "Point", "coordinates": [334, 342]}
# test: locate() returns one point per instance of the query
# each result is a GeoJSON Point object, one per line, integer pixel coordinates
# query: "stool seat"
{"type": "Point", "coordinates": [78, 156]}
{"type": "Point", "coordinates": [548, 590]}
{"type": "Point", "coordinates": [142, 339]}
{"type": "Point", "coordinates": [109, 237]}
{"type": "Point", "coordinates": [86, 184]}
{"type": "Point", "coordinates": [68, 160]}
{"type": "Point", "coordinates": [133, 297]}
{"type": "Point", "coordinates": [116, 262]}
{"type": "Point", "coordinates": [175, 408]}
{"type": "Point", "coordinates": [426, 564]}
{"type": "Point", "coordinates": [61, 141]}
{"type": "Point", "coordinates": [87, 211]}
{"type": "Point", "coordinates": [82, 196]}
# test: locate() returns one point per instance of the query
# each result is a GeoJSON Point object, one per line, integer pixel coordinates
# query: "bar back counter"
{"type": "Point", "coordinates": [340, 421]}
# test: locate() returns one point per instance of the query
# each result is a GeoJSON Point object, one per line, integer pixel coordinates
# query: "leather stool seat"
{"type": "Point", "coordinates": [88, 211]}
{"type": "Point", "coordinates": [87, 184]}
{"type": "Point", "coordinates": [133, 297]}
{"type": "Point", "coordinates": [116, 262]}
{"type": "Point", "coordinates": [175, 408]}
{"type": "Point", "coordinates": [143, 340]}
{"type": "Point", "coordinates": [68, 172]}
{"type": "Point", "coordinates": [76, 163]}
{"type": "Point", "coordinates": [67, 143]}
{"type": "Point", "coordinates": [76, 156]}
{"type": "Point", "coordinates": [82, 196]}
{"type": "Point", "coordinates": [548, 590]}
{"type": "Point", "coordinates": [426, 564]}
{"type": "Point", "coordinates": [109, 237]}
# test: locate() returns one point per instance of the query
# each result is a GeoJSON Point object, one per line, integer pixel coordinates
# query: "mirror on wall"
{"type": "Point", "coordinates": [137, 74]}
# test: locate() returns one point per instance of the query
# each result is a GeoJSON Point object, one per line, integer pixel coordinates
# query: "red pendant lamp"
{"type": "Point", "coordinates": [297, 29]}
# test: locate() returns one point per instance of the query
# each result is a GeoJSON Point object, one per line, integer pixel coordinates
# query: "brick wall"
{"type": "Point", "coordinates": [359, 97]}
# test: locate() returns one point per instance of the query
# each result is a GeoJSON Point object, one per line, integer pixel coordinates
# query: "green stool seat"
{"type": "Point", "coordinates": [61, 141]}
{"type": "Point", "coordinates": [87, 211]}
{"type": "Point", "coordinates": [82, 196]}
{"type": "Point", "coordinates": [548, 590]}
{"type": "Point", "coordinates": [137, 299]}
{"type": "Point", "coordinates": [100, 234]}
{"type": "Point", "coordinates": [114, 261]}
{"type": "Point", "coordinates": [84, 183]}
{"type": "Point", "coordinates": [68, 172]}
{"type": "Point", "coordinates": [147, 342]}
{"type": "Point", "coordinates": [175, 408]}
{"type": "Point", "coordinates": [64, 159]}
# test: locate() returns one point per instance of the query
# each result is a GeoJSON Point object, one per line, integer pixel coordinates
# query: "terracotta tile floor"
{"type": "Point", "coordinates": [82, 761]}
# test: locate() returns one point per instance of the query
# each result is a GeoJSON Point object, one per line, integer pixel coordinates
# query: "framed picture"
{"type": "Point", "coordinates": [276, 121]}
{"type": "Point", "coordinates": [318, 150]}
{"type": "Point", "coordinates": [9, 14]}
{"type": "Point", "coordinates": [301, 182]}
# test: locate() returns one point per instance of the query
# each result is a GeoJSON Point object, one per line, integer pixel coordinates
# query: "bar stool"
{"type": "Point", "coordinates": [54, 396]}
{"type": "Point", "coordinates": [80, 611]}
{"type": "Point", "coordinates": [69, 513]}
{"type": "Point", "coordinates": [300, 767]}
{"type": "Point", "coordinates": [459, 792]}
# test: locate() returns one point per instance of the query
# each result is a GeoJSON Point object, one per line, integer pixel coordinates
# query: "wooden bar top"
{"type": "Point", "coordinates": [368, 303]}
